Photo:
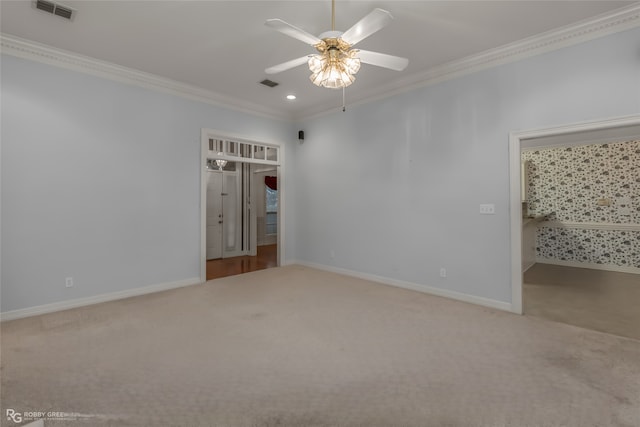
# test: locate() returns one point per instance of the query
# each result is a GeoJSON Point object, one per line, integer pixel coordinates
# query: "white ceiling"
{"type": "Point", "coordinates": [224, 46]}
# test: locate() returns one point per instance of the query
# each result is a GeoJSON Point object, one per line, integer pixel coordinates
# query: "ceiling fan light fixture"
{"type": "Point", "coordinates": [352, 62]}
{"type": "Point", "coordinates": [316, 63]}
{"type": "Point", "coordinates": [334, 69]}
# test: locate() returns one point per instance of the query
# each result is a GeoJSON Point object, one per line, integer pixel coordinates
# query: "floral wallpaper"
{"type": "Point", "coordinates": [615, 247]}
{"type": "Point", "coordinates": [594, 184]}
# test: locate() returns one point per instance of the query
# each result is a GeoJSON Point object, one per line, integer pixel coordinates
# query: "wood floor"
{"type": "Point", "coordinates": [604, 301]}
{"type": "Point", "coordinates": [267, 257]}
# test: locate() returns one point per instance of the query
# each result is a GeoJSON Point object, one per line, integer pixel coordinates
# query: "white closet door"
{"type": "Point", "coordinates": [214, 215]}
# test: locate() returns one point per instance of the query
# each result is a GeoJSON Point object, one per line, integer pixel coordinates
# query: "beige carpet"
{"type": "Point", "coordinates": [295, 346]}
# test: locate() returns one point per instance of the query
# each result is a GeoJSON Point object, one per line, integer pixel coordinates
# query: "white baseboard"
{"type": "Point", "coordinates": [486, 302]}
{"type": "Point", "coordinates": [81, 302]}
{"type": "Point", "coordinates": [606, 267]}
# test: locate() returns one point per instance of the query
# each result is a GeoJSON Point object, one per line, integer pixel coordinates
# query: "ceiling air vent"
{"type": "Point", "coordinates": [269, 83]}
{"type": "Point", "coordinates": [55, 9]}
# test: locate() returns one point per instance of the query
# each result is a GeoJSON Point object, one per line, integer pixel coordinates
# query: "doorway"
{"type": "Point", "coordinates": [592, 132]}
{"type": "Point", "coordinates": [242, 213]}
{"type": "Point", "coordinates": [233, 207]}
{"type": "Point", "coordinates": [226, 226]}
{"type": "Point", "coordinates": [580, 232]}
{"type": "Point", "coordinates": [266, 193]}
{"type": "Point", "coordinates": [229, 201]}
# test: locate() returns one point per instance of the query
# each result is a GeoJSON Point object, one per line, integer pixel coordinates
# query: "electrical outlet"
{"type": "Point", "coordinates": [488, 209]}
{"type": "Point", "coordinates": [68, 282]}
{"type": "Point", "coordinates": [443, 272]}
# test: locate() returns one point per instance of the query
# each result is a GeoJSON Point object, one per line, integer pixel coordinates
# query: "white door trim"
{"type": "Point", "coordinates": [205, 135]}
{"type": "Point", "coordinates": [515, 144]}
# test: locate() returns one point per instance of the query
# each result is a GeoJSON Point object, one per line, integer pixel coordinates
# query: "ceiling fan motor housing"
{"type": "Point", "coordinates": [331, 35]}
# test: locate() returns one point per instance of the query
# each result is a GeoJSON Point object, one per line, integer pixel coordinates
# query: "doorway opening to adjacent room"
{"type": "Point", "coordinates": [241, 205]}
{"type": "Point", "coordinates": [575, 224]}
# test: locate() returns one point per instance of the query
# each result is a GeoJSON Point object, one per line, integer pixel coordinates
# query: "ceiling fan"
{"type": "Point", "coordinates": [337, 61]}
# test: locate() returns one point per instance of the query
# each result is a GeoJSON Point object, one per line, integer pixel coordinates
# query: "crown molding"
{"type": "Point", "coordinates": [622, 19]}
{"type": "Point", "coordinates": [27, 49]}
{"type": "Point", "coordinates": [613, 22]}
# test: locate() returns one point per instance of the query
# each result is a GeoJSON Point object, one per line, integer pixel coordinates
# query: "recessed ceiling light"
{"type": "Point", "coordinates": [291, 97]}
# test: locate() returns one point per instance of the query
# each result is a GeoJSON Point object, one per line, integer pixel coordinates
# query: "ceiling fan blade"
{"type": "Point", "coordinates": [374, 21]}
{"type": "Point", "coordinates": [292, 31]}
{"type": "Point", "coordinates": [383, 60]}
{"type": "Point", "coordinates": [287, 65]}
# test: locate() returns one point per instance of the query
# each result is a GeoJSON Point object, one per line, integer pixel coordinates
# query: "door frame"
{"type": "Point", "coordinates": [516, 140]}
{"type": "Point", "coordinates": [205, 135]}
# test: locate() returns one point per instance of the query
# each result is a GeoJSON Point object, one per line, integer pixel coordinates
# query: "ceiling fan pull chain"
{"type": "Point", "coordinates": [344, 107]}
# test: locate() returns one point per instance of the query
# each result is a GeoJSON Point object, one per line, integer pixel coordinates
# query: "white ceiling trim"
{"type": "Point", "coordinates": [603, 25]}
{"type": "Point", "coordinates": [619, 20]}
{"type": "Point", "coordinates": [28, 49]}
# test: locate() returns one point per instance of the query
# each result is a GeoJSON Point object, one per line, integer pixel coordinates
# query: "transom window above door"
{"type": "Point", "coordinates": [250, 152]}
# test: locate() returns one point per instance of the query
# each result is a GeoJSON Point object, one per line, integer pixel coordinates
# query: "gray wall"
{"type": "Point", "coordinates": [393, 187]}
{"type": "Point", "coordinates": [101, 181]}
